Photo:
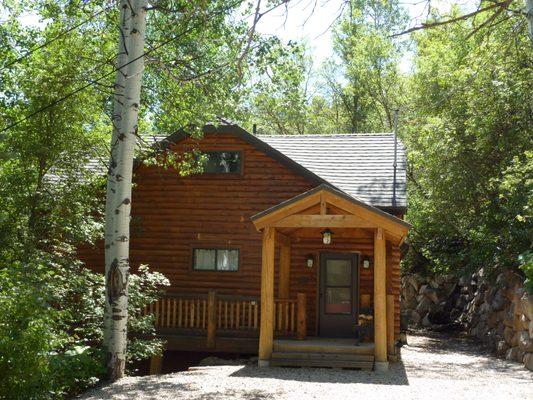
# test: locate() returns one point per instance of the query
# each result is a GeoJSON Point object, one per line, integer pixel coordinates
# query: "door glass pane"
{"type": "Point", "coordinates": [204, 259]}
{"type": "Point", "coordinates": [338, 301]}
{"type": "Point", "coordinates": [228, 260]}
{"type": "Point", "coordinates": [338, 273]}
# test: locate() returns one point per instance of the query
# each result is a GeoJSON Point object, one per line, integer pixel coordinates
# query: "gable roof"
{"type": "Point", "coordinates": [366, 215]}
{"type": "Point", "coordinates": [336, 192]}
{"type": "Point", "coordinates": [361, 165]}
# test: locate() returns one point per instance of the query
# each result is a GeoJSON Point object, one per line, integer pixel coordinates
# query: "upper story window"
{"type": "Point", "coordinates": [223, 162]}
{"type": "Point", "coordinates": [216, 259]}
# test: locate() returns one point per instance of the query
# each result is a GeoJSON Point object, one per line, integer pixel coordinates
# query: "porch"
{"type": "Point", "coordinates": [322, 213]}
{"type": "Point", "coordinates": [230, 324]}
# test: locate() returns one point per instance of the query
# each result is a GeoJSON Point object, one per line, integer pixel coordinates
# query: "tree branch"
{"type": "Point", "coordinates": [501, 5]}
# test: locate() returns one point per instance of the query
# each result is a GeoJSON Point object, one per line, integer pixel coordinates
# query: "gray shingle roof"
{"type": "Point", "coordinates": [359, 164]}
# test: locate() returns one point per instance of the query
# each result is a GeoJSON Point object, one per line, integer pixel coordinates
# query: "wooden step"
{"type": "Point", "coordinates": [322, 356]}
{"type": "Point", "coordinates": [321, 363]}
{"type": "Point", "coordinates": [320, 346]}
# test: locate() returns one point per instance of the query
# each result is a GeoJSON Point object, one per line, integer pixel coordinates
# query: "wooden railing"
{"type": "Point", "coordinates": [207, 314]}
{"type": "Point", "coordinates": [237, 313]}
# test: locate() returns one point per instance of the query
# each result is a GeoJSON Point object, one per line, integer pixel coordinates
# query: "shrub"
{"type": "Point", "coordinates": [51, 326]}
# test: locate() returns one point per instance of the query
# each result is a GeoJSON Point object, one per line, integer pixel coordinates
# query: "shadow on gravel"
{"type": "Point", "coordinates": [150, 387]}
{"type": "Point", "coordinates": [396, 375]}
{"type": "Point", "coordinates": [154, 388]}
{"type": "Point", "coordinates": [437, 342]}
{"type": "Point", "coordinates": [455, 356]}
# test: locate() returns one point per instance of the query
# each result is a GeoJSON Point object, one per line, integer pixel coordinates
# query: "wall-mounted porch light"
{"type": "Point", "coordinates": [366, 262]}
{"type": "Point", "coordinates": [310, 261]}
{"type": "Point", "coordinates": [326, 236]}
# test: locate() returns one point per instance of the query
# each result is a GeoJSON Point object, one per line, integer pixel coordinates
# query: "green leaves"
{"type": "Point", "coordinates": [469, 140]}
{"type": "Point", "coordinates": [51, 326]}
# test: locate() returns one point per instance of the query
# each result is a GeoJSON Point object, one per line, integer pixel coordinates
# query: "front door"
{"type": "Point", "coordinates": [338, 294]}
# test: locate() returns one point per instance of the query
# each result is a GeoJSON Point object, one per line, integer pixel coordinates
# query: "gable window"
{"type": "Point", "coordinates": [215, 259]}
{"type": "Point", "coordinates": [223, 162]}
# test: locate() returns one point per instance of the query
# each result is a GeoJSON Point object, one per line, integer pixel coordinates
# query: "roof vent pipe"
{"type": "Point", "coordinates": [395, 164]}
{"type": "Point", "coordinates": [254, 129]}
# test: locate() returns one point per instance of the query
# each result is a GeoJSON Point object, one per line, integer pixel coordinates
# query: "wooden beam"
{"type": "Point", "coordinates": [380, 220]}
{"type": "Point", "coordinates": [391, 350]}
{"type": "Point", "coordinates": [351, 233]}
{"type": "Point", "coordinates": [380, 299]}
{"type": "Point", "coordinates": [284, 271]}
{"type": "Point", "coordinates": [323, 221]}
{"type": "Point", "coordinates": [290, 209]}
{"type": "Point", "coordinates": [211, 319]}
{"type": "Point", "coordinates": [266, 333]}
{"type": "Point", "coordinates": [301, 325]}
{"type": "Point", "coordinates": [323, 205]}
{"type": "Point", "coordinates": [156, 365]}
{"type": "Point", "coordinates": [282, 240]}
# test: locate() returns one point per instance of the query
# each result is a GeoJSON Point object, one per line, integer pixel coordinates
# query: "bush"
{"type": "Point", "coordinates": [51, 326]}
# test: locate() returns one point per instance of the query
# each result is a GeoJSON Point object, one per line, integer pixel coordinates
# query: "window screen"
{"type": "Point", "coordinates": [216, 259]}
{"type": "Point", "coordinates": [223, 162]}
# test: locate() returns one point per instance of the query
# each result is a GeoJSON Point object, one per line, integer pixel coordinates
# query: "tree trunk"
{"type": "Point", "coordinates": [118, 98]}
{"type": "Point", "coordinates": [117, 275]}
{"type": "Point", "coordinates": [529, 15]}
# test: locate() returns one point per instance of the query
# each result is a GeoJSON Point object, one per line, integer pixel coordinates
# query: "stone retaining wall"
{"type": "Point", "coordinates": [500, 313]}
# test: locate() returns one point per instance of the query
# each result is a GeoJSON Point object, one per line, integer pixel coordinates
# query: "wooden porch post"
{"type": "Point", "coordinates": [380, 301]}
{"type": "Point", "coordinates": [391, 350]}
{"type": "Point", "coordinates": [284, 271]}
{"type": "Point", "coordinates": [156, 365]}
{"type": "Point", "coordinates": [266, 332]}
{"type": "Point", "coordinates": [211, 319]}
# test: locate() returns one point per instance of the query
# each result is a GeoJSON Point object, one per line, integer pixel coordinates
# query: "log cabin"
{"type": "Point", "coordinates": [287, 247]}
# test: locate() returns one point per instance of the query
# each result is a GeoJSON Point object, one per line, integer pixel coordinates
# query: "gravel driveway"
{"type": "Point", "coordinates": [436, 367]}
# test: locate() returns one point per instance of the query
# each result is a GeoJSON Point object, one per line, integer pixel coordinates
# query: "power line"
{"type": "Point", "coordinates": [48, 42]}
{"type": "Point", "coordinates": [93, 81]}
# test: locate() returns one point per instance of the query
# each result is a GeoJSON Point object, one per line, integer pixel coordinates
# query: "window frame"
{"type": "Point", "coordinates": [227, 174]}
{"type": "Point", "coordinates": [216, 249]}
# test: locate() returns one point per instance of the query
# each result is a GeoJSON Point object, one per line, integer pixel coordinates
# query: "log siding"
{"type": "Point", "coordinates": [172, 215]}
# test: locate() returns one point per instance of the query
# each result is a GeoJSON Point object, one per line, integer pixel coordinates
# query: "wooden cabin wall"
{"type": "Point", "coordinates": [172, 214]}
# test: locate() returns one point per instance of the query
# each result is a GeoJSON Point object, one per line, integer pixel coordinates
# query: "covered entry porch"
{"type": "Point", "coordinates": [331, 215]}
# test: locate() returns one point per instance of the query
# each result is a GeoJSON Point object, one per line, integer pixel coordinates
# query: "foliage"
{"type": "Point", "coordinates": [469, 136]}
{"type": "Point", "coordinates": [369, 63]}
{"type": "Point", "coordinates": [51, 327]}
{"type": "Point", "coordinates": [279, 94]}
{"type": "Point", "coordinates": [357, 90]}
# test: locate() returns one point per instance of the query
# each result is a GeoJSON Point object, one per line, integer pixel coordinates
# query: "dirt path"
{"type": "Point", "coordinates": [437, 367]}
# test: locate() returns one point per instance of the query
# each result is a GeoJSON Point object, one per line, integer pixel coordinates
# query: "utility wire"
{"type": "Point", "coordinates": [48, 42]}
{"type": "Point", "coordinates": [93, 81]}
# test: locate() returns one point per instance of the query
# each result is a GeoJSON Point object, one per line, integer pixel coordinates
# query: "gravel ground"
{"type": "Point", "coordinates": [433, 367]}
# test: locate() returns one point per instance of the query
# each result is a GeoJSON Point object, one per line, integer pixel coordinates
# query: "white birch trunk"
{"type": "Point", "coordinates": [529, 15]}
{"type": "Point", "coordinates": [117, 277]}
{"type": "Point", "coordinates": [118, 97]}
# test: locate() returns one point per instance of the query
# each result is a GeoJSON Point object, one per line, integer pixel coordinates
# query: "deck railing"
{"type": "Point", "coordinates": [206, 314]}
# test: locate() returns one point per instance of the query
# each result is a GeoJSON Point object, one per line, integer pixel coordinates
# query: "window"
{"type": "Point", "coordinates": [223, 162]}
{"type": "Point", "coordinates": [215, 259]}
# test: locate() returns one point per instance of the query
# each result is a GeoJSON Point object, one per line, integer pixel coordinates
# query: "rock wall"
{"type": "Point", "coordinates": [500, 313]}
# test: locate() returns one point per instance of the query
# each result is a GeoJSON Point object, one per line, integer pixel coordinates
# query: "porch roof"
{"type": "Point", "coordinates": [355, 213]}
